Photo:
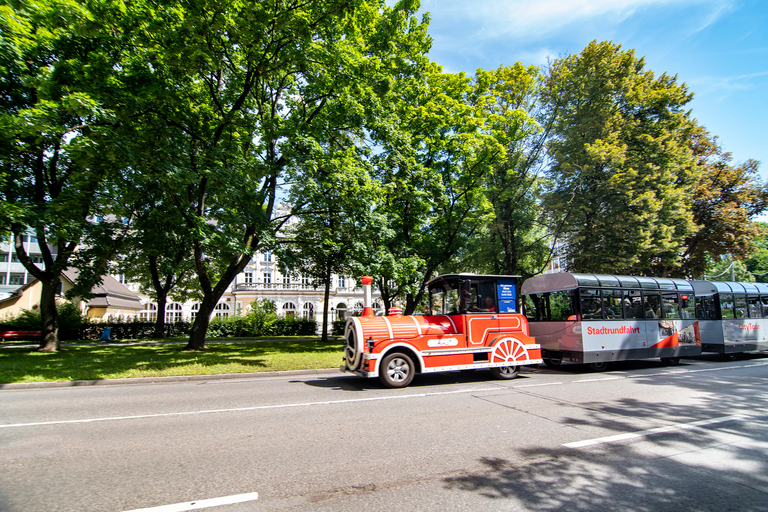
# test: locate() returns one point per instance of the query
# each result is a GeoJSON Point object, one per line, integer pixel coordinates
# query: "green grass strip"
{"type": "Point", "coordinates": [19, 364]}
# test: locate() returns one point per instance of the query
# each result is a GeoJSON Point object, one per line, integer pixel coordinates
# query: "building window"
{"type": "Point", "coordinates": [4, 258]}
{"type": "Point", "coordinates": [16, 279]}
{"type": "Point", "coordinates": [341, 311]}
{"type": "Point", "coordinates": [308, 311]}
{"type": "Point", "coordinates": [268, 256]}
{"type": "Point", "coordinates": [342, 282]}
{"type": "Point", "coordinates": [248, 278]}
{"type": "Point", "coordinates": [287, 279]}
{"type": "Point", "coordinates": [195, 309]}
{"type": "Point", "coordinates": [289, 309]}
{"type": "Point", "coordinates": [222, 310]}
{"type": "Point", "coordinates": [358, 308]}
{"type": "Point", "coordinates": [2, 278]}
{"type": "Point", "coordinates": [173, 312]}
{"type": "Point", "coordinates": [149, 313]}
{"type": "Point", "coordinates": [267, 277]}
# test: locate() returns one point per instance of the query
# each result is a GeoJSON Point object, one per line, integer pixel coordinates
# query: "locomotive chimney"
{"type": "Point", "coordinates": [367, 300]}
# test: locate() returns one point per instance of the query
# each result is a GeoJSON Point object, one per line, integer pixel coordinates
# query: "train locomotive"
{"type": "Point", "coordinates": [473, 322]}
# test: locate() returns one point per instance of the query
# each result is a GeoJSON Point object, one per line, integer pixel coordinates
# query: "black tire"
{"type": "Point", "coordinates": [671, 361]}
{"type": "Point", "coordinates": [396, 370]}
{"type": "Point", "coordinates": [598, 367]}
{"type": "Point", "coordinates": [730, 356]}
{"type": "Point", "coordinates": [553, 359]}
{"type": "Point", "coordinates": [506, 372]}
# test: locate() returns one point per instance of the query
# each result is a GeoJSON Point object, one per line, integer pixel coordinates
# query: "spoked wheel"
{"type": "Point", "coordinates": [599, 366]}
{"type": "Point", "coordinates": [553, 359]}
{"type": "Point", "coordinates": [508, 350]}
{"type": "Point", "coordinates": [671, 361]}
{"type": "Point", "coordinates": [506, 372]}
{"type": "Point", "coordinates": [396, 370]}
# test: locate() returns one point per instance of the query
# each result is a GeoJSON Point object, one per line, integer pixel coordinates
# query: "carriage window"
{"type": "Point", "coordinates": [764, 300]}
{"type": "Point", "coordinates": [633, 302]}
{"type": "Point", "coordinates": [590, 304]}
{"type": "Point", "coordinates": [533, 307]}
{"type": "Point", "coordinates": [561, 305]}
{"type": "Point", "coordinates": [726, 305]}
{"type": "Point", "coordinates": [652, 305]}
{"type": "Point", "coordinates": [671, 306]}
{"type": "Point", "coordinates": [612, 307]}
{"type": "Point", "coordinates": [755, 307]}
{"type": "Point", "coordinates": [705, 308]}
{"type": "Point", "coordinates": [689, 307]}
{"type": "Point", "coordinates": [740, 301]}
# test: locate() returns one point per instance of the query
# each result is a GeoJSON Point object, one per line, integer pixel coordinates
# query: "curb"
{"type": "Point", "coordinates": [162, 380]}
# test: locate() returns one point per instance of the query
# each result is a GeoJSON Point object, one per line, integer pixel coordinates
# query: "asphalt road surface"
{"type": "Point", "coordinates": [642, 437]}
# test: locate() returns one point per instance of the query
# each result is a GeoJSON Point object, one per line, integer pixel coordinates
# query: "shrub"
{"type": "Point", "coordinates": [338, 327]}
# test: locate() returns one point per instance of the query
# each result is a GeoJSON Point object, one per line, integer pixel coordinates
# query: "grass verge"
{"type": "Point", "coordinates": [19, 364]}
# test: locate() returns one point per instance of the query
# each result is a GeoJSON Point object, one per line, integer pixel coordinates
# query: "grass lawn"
{"type": "Point", "coordinates": [19, 364]}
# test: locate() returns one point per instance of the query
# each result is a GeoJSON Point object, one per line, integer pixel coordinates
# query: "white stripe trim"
{"type": "Point", "coordinates": [418, 326]}
{"type": "Point", "coordinates": [389, 327]}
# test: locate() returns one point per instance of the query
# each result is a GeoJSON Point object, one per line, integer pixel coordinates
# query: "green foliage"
{"type": "Point", "coordinates": [338, 327]}
{"type": "Point", "coordinates": [71, 321]}
{"type": "Point", "coordinates": [623, 172]}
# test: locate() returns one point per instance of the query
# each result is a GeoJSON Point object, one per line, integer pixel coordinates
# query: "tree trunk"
{"type": "Point", "coordinates": [162, 301]}
{"type": "Point", "coordinates": [200, 327]}
{"type": "Point", "coordinates": [50, 316]}
{"type": "Point", "coordinates": [326, 298]}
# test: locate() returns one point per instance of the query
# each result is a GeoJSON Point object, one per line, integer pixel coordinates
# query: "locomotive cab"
{"type": "Point", "coordinates": [471, 321]}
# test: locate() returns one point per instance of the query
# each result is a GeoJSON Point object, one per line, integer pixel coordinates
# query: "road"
{"type": "Point", "coordinates": [642, 437]}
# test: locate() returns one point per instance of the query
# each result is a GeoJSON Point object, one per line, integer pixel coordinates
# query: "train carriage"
{"type": "Point", "coordinates": [733, 316]}
{"type": "Point", "coordinates": [596, 319]}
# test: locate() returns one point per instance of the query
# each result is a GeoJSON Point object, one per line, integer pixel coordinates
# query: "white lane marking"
{"type": "Point", "coordinates": [254, 408]}
{"type": "Point", "coordinates": [598, 380]}
{"type": "Point", "coordinates": [659, 430]}
{"type": "Point", "coordinates": [195, 505]}
{"type": "Point", "coordinates": [331, 402]}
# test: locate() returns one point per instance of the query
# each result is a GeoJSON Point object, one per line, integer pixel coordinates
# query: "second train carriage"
{"type": "Point", "coordinates": [595, 319]}
{"type": "Point", "coordinates": [733, 316]}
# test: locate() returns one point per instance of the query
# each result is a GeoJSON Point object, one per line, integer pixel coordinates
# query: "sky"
{"type": "Point", "coordinates": [718, 48]}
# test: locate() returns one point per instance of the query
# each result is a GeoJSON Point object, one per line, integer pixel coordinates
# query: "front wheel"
{"type": "Point", "coordinates": [506, 372]}
{"type": "Point", "coordinates": [396, 370]}
{"type": "Point", "coordinates": [671, 361]}
{"type": "Point", "coordinates": [599, 366]}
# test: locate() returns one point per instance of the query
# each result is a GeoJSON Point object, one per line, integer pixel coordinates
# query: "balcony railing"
{"type": "Point", "coordinates": [250, 287]}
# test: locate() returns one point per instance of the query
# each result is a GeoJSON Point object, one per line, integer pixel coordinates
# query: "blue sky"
{"type": "Point", "coordinates": [718, 48]}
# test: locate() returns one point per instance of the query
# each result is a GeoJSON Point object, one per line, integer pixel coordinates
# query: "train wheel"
{"type": "Point", "coordinates": [731, 356]}
{"type": "Point", "coordinates": [396, 370]}
{"type": "Point", "coordinates": [506, 372]}
{"type": "Point", "coordinates": [598, 367]}
{"type": "Point", "coordinates": [553, 359]}
{"type": "Point", "coordinates": [671, 361]}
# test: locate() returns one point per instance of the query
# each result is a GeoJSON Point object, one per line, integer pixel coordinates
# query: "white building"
{"type": "Point", "coordinates": [262, 279]}
{"type": "Point", "coordinates": [13, 275]}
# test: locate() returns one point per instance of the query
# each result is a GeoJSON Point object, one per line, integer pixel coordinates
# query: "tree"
{"type": "Point", "coordinates": [516, 240]}
{"type": "Point", "coordinates": [245, 92]}
{"type": "Point", "coordinates": [725, 200]}
{"type": "Point", "coordinates": [622, 172]}
{"type": "Point", "coordinates": [333, 212]}
{"type": "Point", "coordinates": [54, 135]}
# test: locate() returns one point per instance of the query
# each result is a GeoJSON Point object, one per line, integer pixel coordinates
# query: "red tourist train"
{"type": "Point", "coordinates": [473, 323]}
